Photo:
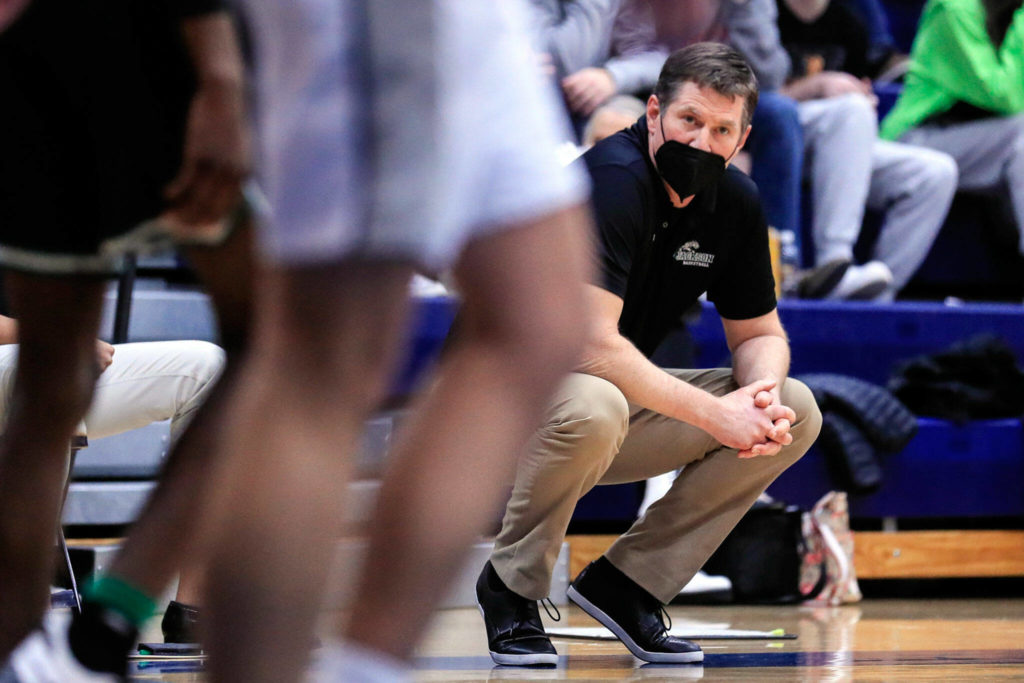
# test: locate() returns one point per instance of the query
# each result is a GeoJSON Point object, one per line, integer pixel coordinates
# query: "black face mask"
{"type": "Point", "coordinates": [686, 169]}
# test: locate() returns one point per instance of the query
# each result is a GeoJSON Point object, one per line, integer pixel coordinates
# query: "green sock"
{"type": "Point", "coordinates": [120, 596]}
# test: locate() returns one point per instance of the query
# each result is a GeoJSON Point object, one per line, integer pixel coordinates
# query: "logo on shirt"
{"type": "Point", "coordinates": [689, 256]}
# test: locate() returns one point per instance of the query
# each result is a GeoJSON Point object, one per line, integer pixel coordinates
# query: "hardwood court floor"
{"type": "Point", "coordinates": [880, 640]}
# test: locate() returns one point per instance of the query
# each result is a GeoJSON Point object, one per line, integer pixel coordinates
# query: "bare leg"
{"type": "Point", "coordinates": [324, 341]}
{"type": "Point", "coordinates": [57, 368]}
{"type": "Point", "coordinates": [523, 315]}
{"type": "Point", "coordinates": [191, 584]}
{"type": "Point", "coordinates": [164, 539]}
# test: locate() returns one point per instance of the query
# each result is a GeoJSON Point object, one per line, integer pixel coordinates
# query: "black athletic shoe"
{"type": "Point", "coordinates": [515, 633]}
{"type": "Point", "coordinates": [180, 623]}
{"type": "Point", "coordinates": [631, 613]}
{"type": "Point", "coordinates": [818, 282]}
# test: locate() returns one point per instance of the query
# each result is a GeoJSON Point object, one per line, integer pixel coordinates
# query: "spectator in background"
{"type": "Point", "coordinates": [618, 113]}
{"type": "Point", "coordinates": [964, 93]}
{"type": "Point", "coordinates": [601, 48]}
{"type": "Point", "coordinates": [775, 144]}
{"type": "Point", "coordinates": [848, 166]}
{"type": "Point", "coordinates": [885, 60]}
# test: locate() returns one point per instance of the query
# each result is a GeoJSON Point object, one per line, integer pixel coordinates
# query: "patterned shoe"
{"type": "Point", "coordinates": [631, 613]}
{"type": "Point", "coordinates": [515, 633]}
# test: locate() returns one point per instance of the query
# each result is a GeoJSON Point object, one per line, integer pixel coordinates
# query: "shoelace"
{"type": "Point", "coordinates": [527, 613]}
{"type": "Point", "coordinates": [557, 616]}
{"type": "Point", "coordinates": [665, 616]}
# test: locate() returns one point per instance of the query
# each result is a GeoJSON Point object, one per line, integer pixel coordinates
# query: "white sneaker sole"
{"type": "Point", "coordinates": [518, 660]}
{"type": "Point", "coordinates": [631, 645]}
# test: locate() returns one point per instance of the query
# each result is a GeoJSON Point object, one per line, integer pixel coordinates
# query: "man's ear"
{"type": "Point", "coordinates": [653, 109]}
{"type": "Point", "coordinates": [739, 145]}
{"type": "Point", "coordinates": [743, 139]}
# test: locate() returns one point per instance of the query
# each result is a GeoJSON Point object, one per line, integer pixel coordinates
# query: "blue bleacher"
{"type": "Point", "coordinates": [947, 470]}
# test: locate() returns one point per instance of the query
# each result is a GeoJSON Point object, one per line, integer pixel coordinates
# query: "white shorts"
{"type": "Point", "coordinates": [390, 135]}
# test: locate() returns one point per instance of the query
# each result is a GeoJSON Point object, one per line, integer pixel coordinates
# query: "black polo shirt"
{"type": "Point", "coordinates": [660, 259]}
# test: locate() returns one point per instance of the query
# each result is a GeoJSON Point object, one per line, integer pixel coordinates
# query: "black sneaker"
{"type": "Point", "coordinates": [816, 283]}
{"type": "Point", "coordinates": [180, 623]}
{"type": "Point", "coordinates": [515, 633]}
{"type": "Point", "coordinates": [631, 613]}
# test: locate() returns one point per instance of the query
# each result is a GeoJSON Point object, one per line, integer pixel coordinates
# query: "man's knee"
{"type": "Point", "coordinates": [936, 172]}
{"type": "Point", "coordinates": [797, 396]}
{"type": "Point", "coordinates": [1018, 141]}
{"type": "Point", "coordinates": [591, 417]}
{"type": "Point", "coordinates": [202, 360]}
{"type": "Point", "coordinates": [852, 111]}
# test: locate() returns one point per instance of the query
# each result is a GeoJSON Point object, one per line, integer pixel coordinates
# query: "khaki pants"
{"type": "Point", "coordinates": [591, 436]}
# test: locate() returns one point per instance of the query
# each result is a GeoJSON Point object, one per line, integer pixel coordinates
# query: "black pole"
{"type": "Point", "coordinates": [123, 308]}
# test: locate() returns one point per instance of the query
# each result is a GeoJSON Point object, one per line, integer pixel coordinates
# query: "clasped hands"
{"type": "Point", "coordinates": [754, 421]}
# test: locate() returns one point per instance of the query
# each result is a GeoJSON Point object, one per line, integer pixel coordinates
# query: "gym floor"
{"type": "Point", "coordinates": [876, 640]}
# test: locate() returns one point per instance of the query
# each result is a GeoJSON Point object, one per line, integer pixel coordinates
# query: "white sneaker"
{"type": "Point", "coordinates": [705, 583]}
{"type": "Point", "coordinates": [863, 282]}
{"type": "Point", "coordinates": [44, 656]}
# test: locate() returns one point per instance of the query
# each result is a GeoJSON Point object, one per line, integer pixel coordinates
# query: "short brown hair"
{"type": "Point", "coordinates": [709, 65]}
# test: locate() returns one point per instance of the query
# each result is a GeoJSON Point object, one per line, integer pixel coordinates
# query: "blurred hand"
{"type": "Point", "coordinates": [587, 89]}
{"type": "Point", "coordinates": [835, 83]}
{"type": "Point", "coordinates": [216, 157]}
{"type": "Point", "coordinates": [104, 354]}
{"type": "Point", "coordinates": [9, 11]}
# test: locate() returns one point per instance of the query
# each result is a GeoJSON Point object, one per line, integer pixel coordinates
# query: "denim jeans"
{"type": "Point", "coordinates": [776, 145]}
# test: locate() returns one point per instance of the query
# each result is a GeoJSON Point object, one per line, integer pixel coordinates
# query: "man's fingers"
{"type": "Point", "coordinates": [592, 103]}
{"type": "Point", "coordinates": [759, 450]}
{"type": "Point", "coordinates": [780, 432]}
{"type": "Point", "coordinates": [754, 388]}
{"type": "Point", "coordinates": [573, 95]}
{"type": "Point", "coordinates": [780, 412]}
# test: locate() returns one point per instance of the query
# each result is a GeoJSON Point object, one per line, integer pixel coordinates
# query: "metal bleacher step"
{"type": "Point", "coordinates": [114, 476]}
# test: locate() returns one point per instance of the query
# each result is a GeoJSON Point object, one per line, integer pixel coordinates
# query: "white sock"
{"type": "Point", "coordinates": [339, 661]}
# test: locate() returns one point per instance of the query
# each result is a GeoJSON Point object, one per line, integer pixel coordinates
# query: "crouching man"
{"type": "Point", "coordinates": [674, 223]}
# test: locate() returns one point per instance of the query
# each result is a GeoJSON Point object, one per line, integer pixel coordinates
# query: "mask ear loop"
{"type": "Point", "coordinates": [661, 122]}
{"type": "Point", "coordinates": [732, 155]}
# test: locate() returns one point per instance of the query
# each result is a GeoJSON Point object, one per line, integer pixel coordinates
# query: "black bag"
{"type": "Point", "coordinates": [762, 556]}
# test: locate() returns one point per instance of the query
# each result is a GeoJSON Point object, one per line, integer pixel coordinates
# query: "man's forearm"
{"type": "Point", "coordinates": [213, 48]}
{"type": "Point", "coordinates": [761, 357]}
{"type": "Point", "coordinates": [615, 359]}
{"type": "Point", "coordinates": [802, 89]}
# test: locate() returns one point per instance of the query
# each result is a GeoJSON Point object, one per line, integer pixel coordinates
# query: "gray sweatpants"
{"type": "Point", "coordinates": [592, 435]}
{"type": "Point", "coordinates": [850, 168]}
{"type": "Point", "coordinates": [987, 151]}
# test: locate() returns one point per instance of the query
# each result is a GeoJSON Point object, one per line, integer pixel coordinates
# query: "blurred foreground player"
{"type": "Point", "coordinates": [114, 113]}
{"type": "Point", "coordinates": [393, 135]}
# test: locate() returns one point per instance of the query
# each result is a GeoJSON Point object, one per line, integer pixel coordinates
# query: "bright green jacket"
{"type": "Point", "coordinates": [953, 59]}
